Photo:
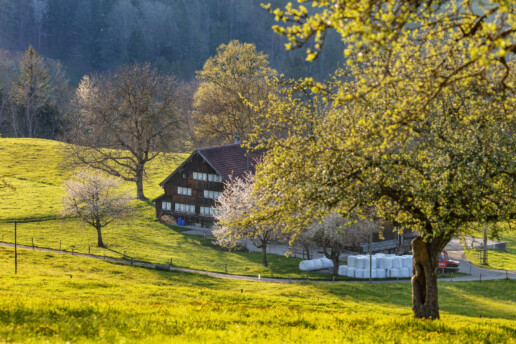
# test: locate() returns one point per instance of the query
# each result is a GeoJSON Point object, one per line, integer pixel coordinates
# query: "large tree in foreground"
{"type": "Point", "coordinates": [425, 130]}
{"type": "Point", "coordinates": [438, 175]}
{"type": "Point", "coordinates": [124, 120]}
{"type": "Point", "coordinates": [95, 198]}
{"type": "Point", "coordinates": [235, 75]}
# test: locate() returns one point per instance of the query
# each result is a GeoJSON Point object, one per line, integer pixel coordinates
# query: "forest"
{"type": "Point", "coordinates": [73, 39]}
{"type": "Point", "coordinates": [176, 36]}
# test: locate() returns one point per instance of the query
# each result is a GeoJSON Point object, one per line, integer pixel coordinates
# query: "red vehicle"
{"type": "Point", "coordinates": [446, 264]}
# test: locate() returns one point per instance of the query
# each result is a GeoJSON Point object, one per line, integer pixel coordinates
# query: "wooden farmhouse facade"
{"type": "Point", "coordinates": [191, 190]}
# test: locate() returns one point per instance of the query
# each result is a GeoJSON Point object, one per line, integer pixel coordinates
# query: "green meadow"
{"type": "Point", "coordinates": [37, 169]}
{"type": "Point", "coordinates": [59, 298]}
{"type": "Point", "coordinates": [496, 259]}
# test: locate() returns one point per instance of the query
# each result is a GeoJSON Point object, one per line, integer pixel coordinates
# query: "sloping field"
{"type": "Point", "coordinates": [37, 168]}
{"type": "Point", "coordinates": [58, 298]}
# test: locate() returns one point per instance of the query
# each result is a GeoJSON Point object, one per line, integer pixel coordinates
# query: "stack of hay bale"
{"type": "Point", "coordinates": [378, 266]}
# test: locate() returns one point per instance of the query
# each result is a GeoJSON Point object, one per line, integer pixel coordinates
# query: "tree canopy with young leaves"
{"type": "Point", "coordinates": [236, 74]}
{"type": "Point", "coordinates": [419, 124]}
{"type": "Point", "coordinates": [416, 40]}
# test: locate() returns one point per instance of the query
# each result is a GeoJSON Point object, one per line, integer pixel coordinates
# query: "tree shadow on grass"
{"type": "Point", "coordinates": [490, 299]}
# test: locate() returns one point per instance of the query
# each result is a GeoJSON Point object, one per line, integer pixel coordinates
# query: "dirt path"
{"type": "Point", "coordinates": [476, 273]}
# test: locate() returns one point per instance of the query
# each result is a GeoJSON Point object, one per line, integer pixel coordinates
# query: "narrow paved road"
{"type": "Point", "coordinates": [454, 251]}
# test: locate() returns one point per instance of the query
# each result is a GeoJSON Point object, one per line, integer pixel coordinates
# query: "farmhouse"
{"type": "Point", "coordinates": [191, 190]}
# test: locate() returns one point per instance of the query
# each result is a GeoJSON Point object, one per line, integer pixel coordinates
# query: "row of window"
{"type": "Point", "coordinates": [211, 194]}
{"type": "Point", "coordinates": [206, 211]}
{"type": "Point", "coordinates": [184, 191]}
{"type": "Point", "coordinates": [187, 208]}
{"type": "Point", "coordinates": [207, 193]}
{"type": "Point", "coordinates": [207, 177]}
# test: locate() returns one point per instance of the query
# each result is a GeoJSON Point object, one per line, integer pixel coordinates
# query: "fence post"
{"type": "Point", "coordinates": [33, 243]}
{"type": "Point", "coordinates": [132, 261]}
{"type": "Point", "coordinates": [15, 251]}
{"type": "Point", "coordinates": [289, 278]}
{"type": "Point", "coordinates": [72, 251]}
{"type": "Point", "coordinates": [171, 261]}
{"type": "Point", "coordinates": [124, 254]}
{"type": "Point", "coordinates": [59, 245]}
{"type": "Point", "coordinates": [89, 249]}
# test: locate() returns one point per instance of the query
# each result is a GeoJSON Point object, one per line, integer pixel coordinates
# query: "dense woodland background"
{"type": "Point", "coordinates": [177, 36]}
{"type": "Point", "coordinates": [75, 38]}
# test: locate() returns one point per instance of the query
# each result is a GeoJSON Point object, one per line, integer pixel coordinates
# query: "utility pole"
{"type": "Point", "coordinates": [371, 252]}
{"type": "Point", "coordinates": [15, 251]}
{"type": "Point", "coordinates": [484, 260]}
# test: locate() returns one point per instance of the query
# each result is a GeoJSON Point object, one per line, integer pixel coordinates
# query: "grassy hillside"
{"type": "Point", "coordinates": [37, 168]}
{"type": "Point", "coordinates": [496, 259]}
{"type": "Point", "coordinates": [58, 298]}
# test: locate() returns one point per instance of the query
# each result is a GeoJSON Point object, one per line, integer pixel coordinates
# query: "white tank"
{"type": "Point", "coordinates": [350, 272]}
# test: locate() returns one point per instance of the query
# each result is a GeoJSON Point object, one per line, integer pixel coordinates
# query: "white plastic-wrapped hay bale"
{"type": "Point", "coordinates": [307, 265]}
{"type": "Point", "coordinates": [366, 273]}
{"type": "Point", "coordinates": [327, 263]}
{"type": "Point", "coordinates": [396, 262]}
{"type": "Point", "coordinates": [302, 265]}
{"type": "Point", "coordinates": [352, 261]}
{"type": "Point", "coordinates": [360, 262]}
{"type": "Point", "coordinates": [407, 261]}
{"type": "Point", "coordinates": [343, 270]}
{"type": "Point", "coordinates": [387, 262]}
{"type": "Point", "coordinates": [350, 271]}
{"type": "Point", "coordinates": [359, 273]}
{"type": "Point", "coordinates": [379, 255]}
{"type": "Point", "coordinates": [380, 273]}
{"type": "Point", "coordinates": [318, 265]}
{"type": "Point", "coordinates": [394, 273]}
{"type": "Point", "coordinates": [404, 272]}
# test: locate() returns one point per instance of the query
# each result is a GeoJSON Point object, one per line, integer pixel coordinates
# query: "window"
{"type": "Point", "coordinates": [200, 176]}
{"type": "Point", "coordinates": [166, 205]}
{"type": "Point", "coordinates": [206, 211]}
{"type": "Point", "coordinates": [207, 177]}
{"type": "Point", "coordinates": [185, 208]}
{"type": "Point", "coordinates": [211, 194]}
{"type": "Point", "coordinates": [214, 178]}
{"type": "Point", "coordinates": [184, 191]}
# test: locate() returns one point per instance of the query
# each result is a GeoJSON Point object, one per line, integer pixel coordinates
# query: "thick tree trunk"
{"type": "Point", "coordinates": [425, 301]}
{"type": "Point", "coordinates": [139, 184]}
{"type": "Point", "coordinates": [335, 265]}
{"type": "Point", "coordinates": [264, 254]}
{"type": "Point", "coordinates": [99, 236]}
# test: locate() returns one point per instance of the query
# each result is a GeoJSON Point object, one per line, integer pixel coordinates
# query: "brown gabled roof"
{"type": "Point", "coordinates": [231, 160]}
